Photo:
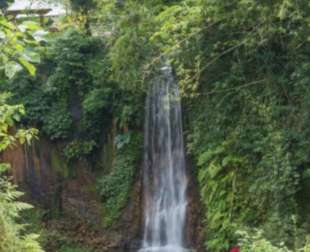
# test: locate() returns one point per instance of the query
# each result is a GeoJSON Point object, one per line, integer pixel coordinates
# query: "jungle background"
{"type": "Point", "coordinates": [72, 114]}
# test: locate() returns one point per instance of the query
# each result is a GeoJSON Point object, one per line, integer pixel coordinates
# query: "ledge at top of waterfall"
{"type": "Point", "coordinates": [165, 181]}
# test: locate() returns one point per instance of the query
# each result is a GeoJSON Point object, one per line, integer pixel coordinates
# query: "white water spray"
{"type": "Point", "coordinates": [165, 179]}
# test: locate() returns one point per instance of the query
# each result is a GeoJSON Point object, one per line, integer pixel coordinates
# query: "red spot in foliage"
{"type": "Point", "coordinates": [235, 249]}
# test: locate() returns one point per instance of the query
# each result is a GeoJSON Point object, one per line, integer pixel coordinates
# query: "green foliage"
{"type": "Point", "coordinates": [59, 240]}
{"type": "Point", "coordinates": [97, 99]}
{"type": "Point", "coordinates": [149, 33]}
{"type": "Point", "coordinates": [129, 110]}
{"type": "Point", "coordinates": [58, 122]}
{"type": "Point", "coordinates": [65, 79]}
{"type": "Point", "coordinates": [98, 108]}
{"type": "Point", "coordinates": [77, 149]}
{"type": "Point", "coordinates": [244, 127]}
{"type": "Point", "coordinates": [306, 248]}
{"type": "Point", "coordinates": [131, 46]}
{"type": "Point", "coordinates": [14, 236]}
{"type": "Point", "coordinates": [13, 55]}
{"type": "Point", "coordinates": [9, 115]}
{"type": "Point", "coordinates": [72, 98]}
{"type": "Point", "coordinates": [115, 187]}
{"type": "Point", "coordinates": [18, 46]}
{"type": "Point", "coordinates": [68, 248]}
{"type": "Point", "coordinates": [219, 193]}
{"type": "Point", "coordinates": [82, 5]}
{"type": "Point", "coordinates": [178, 39]}
{"type": "Point", "coordinates": [257, 243]}
{"type": "Point", "coordinates": [243, 72]}
{"type": "Point", "coordinates": [4, 4]}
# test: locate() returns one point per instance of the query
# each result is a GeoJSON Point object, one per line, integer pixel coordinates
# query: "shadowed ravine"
{"type": "Point", "coordinates": [165, 180]}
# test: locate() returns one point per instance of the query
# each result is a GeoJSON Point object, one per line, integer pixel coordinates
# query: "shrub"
{"type": "Point", "coordinates": [115, 187]}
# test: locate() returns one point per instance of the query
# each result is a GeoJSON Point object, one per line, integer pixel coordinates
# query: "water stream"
{"type": "Point", "coordinates": [165, 180]}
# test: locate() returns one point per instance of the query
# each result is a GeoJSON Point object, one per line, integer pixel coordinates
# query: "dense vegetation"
{"type": "Point", "coordinates": [243, 69]}
{"type": "Point", "coordinates": [253, 161]}
{"type": "Point", "coordinates": [13, 236]}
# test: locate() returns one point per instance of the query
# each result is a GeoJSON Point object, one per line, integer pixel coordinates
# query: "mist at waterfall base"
{"type": "Point", "coordinates": [165, 180]}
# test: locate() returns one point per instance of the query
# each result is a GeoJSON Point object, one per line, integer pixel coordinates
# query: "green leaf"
{"type": "Point", "coordinates": [30, 25]}
{"type": "Point", "coordinates": [11, 68]}
{"type": "Point", "coordinates": [31, 56]}
{"type": "Point", "coordinates": [4, 167]}
{"type": "Point", "coordinates": [30, 67]}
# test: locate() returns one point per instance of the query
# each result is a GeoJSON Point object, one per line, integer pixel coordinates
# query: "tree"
{"type": "Point", "coordinates": [4, 4]}
{"type": "Point", "coordinates": [17, 43]}
{"type": "Point", "coordinates": [13, 237]}
{"type": "Point", "coordinates": [84, 7]}
{"type": "Point", "coordinates": [13, 234]}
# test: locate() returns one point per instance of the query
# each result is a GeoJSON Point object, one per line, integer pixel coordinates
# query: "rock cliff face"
{"type": "Point", "coordinates": [67, 193]}
{"type": "Point", "coordinates": [194, 232]}
{"type": "Point", "coordinates": [36, 170]}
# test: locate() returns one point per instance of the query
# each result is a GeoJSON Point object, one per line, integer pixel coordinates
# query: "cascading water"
{"type": "Point", "coordinates": [165, 179]}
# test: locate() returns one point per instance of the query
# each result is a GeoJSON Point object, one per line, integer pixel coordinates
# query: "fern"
{"type": "Point", "coordinates": [13, 237]}
{"type": "Point", "coordinates": [13, 234]}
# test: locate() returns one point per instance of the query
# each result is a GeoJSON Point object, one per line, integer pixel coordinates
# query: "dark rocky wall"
{"type": "Point", "coordinates": [68, 195]}
{"type": "Point", "coordinates": [194, 233]}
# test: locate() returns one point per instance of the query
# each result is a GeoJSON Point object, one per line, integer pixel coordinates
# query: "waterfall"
{"type": "Point", "coordinates": [165, 179]}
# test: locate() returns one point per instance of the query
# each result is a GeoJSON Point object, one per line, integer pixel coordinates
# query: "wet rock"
{"type": "Point", "coordinates": [194, 235]}
{"type": "Point", "coordinates": [73, 206]}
